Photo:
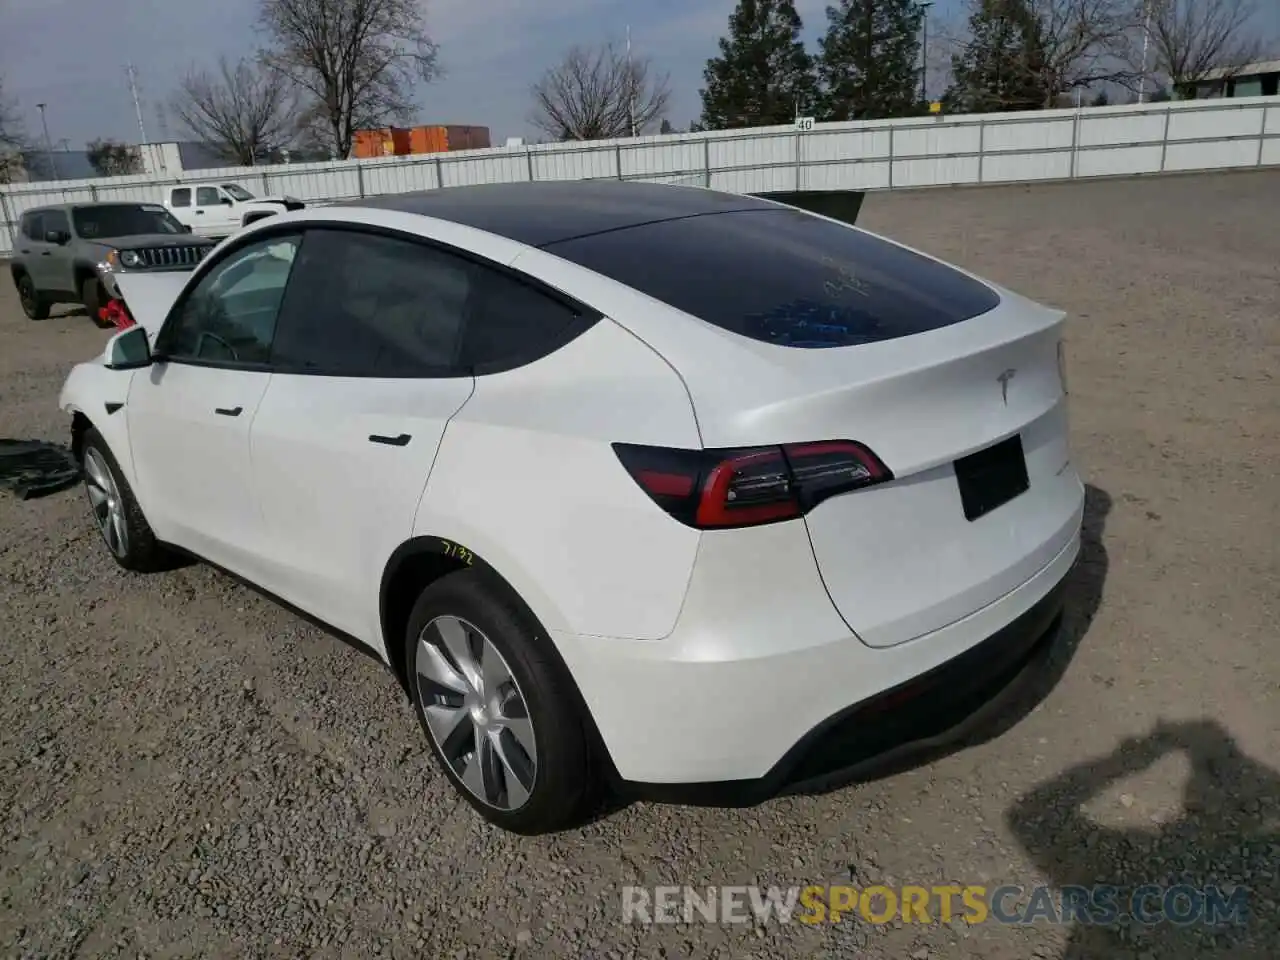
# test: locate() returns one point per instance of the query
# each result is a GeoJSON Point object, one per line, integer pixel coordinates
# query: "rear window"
{"type": "Point", "coordinates": [784, 277]}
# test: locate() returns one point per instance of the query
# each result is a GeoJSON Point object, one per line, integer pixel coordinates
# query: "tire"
{"type": "Point", "coordinates": [554, 787]}
{"type": "Point", "coordinates": [115, 509]}
{"type": "Point", "coordinates": [94, 298]}
{"type": "Point", "coordinates": [34, 306]}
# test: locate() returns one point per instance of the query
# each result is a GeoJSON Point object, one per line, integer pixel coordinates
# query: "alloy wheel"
{"type": "Point", "coordinates": [476, 713]}
{"type": "Point", "coordinates": [104, 497]}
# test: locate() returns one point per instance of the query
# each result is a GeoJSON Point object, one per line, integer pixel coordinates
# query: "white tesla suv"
{"type": "Point", "coordinates": [682, 494]}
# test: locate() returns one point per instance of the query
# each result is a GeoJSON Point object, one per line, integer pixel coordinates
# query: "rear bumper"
{"type": "Point", "coordinates": [940, 706]}
{"type": "Point", "coordinates": [683, 723]}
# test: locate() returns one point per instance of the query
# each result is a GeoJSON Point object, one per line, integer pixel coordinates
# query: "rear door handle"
{"type": "Point", "coordinates": [228, 411]}
{"type": "Point", "coordinates": [47, 253]}
{"type": "Point", "coordinates": [399, 441]}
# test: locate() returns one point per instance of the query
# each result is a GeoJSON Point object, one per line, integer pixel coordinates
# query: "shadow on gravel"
{"type": "Point", "coordinates": [1228, 836]}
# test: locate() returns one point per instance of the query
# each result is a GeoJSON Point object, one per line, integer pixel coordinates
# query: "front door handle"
{"type": "Point", "coordinates": [228, 411]}
{"type": "Point", "coordinates": [399, 441]}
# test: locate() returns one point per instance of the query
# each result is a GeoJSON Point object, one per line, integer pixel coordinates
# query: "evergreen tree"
{"type": "Point", "coordinates": [763, 75]}
{"type": "Point", "coordinates": [1002, 67]}
{"type": "Point", "coordinates": [869, 65]}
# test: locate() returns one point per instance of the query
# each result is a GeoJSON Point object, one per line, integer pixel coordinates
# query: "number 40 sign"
{"type": "Point", "coordinates": [804, 124]}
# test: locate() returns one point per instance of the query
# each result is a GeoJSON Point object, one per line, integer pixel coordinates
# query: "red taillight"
{"type": "Point", "coordinates": [716, 489]}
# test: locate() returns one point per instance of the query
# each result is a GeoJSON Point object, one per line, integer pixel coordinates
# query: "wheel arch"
{"type": "Point", "coordinates": [95, 398]}
{"type": "Point", "coordinates": [80, 425]}
{"type": "Point", "coordinates": [424, 559]}
{"type": "Point", "coordinates": [84, 270]}
{"type": "Point", "coordinates": [412, 567]}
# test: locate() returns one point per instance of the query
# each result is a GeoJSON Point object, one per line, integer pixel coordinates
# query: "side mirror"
{"type": "Point", "coordinates": [186, 228]}
{"type": "Point", "coordinates": [57, 236]}
{"type": "Point", "coordinates": [128, 350]}
{"type": "Point", "coordinates": [228, 201]}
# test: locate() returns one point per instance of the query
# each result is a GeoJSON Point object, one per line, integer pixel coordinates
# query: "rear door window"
{"type": "Point", "coordinates": [511, 324]}
{"type": "Point", "coordinates": [181, 197]}
{"type": "Point", "coordinates": [371, 305]}
{"type": "Point", "coordinates": [784, 277]}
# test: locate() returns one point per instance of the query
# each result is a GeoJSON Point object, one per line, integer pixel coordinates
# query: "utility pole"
{"type": "Point", "coordinates": [137, 103]}
{"type": "Point", "coordinates": [48, 144]}
{"type": "Point", "coordinates": [924, 51]}
{"type": "Point", "coordinates": [1146, 39]}
{"type": "Point", "coordinates": [631, 85]}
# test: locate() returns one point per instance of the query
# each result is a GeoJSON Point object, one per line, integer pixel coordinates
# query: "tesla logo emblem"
{"type": "Point", "coordinates": [1004, 379]}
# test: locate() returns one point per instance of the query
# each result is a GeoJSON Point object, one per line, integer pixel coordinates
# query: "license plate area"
{"type": "Point", "coordinates": [992, 477]}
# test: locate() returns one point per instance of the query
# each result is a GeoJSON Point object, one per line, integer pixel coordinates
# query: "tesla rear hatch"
{"type": "Point", "coordinates": [913, 415]}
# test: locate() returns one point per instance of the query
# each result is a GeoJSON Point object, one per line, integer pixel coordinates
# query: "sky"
{"type": "Point", "coordinates": [72, 54]}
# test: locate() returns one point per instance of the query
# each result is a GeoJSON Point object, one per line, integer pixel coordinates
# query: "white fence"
{"type": "Point", "coordinates": [864, 155]}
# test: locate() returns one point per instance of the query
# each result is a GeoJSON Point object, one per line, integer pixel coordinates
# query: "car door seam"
{"type": "Point", "coordinates": [253, 469]}
{"type": "Point", "coordinates": [426, 481]}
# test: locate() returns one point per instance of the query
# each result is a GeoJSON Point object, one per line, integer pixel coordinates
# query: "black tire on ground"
{"type": "Point", "coordinates": [564, 792]}
{"type": "Point", "coordinates": [34, 306]}
{"type": "Point", "coordinates": [94, 297]}
{"type": "Point", "coordinates": [141, 551]}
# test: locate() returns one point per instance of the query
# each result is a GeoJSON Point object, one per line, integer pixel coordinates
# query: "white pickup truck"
{"type": "Point", "coordinates": [220, 209]}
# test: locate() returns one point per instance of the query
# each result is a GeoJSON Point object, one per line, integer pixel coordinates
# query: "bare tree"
{"type": "Point", "coordinates": [243, 111]}
{"type": "Point", "coordinates": [1085, 42]}
{"type": "Point", "coordinates": [13, 137]}
{"type": "Point", "coordinates": [358, 61]}
{"type": "Point", "coordinates": [1193, 39]}
{"type": "Point", "coordinates": [599, 93]}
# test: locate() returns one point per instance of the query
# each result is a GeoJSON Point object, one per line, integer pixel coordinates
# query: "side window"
{"type": "Point", "coordinates": [207, 197]}
{"type": "Point", "coordinates": [512, 323]}
{"type": "Point", "coordinates": [181, 197]}
{"type": "Point", "coordinates": [230, 315]}
{"type": "Point", "coordinates": [369, 305]}
{"type": "Point", "coordinates": [33, 226]}
{"type": "Point", "coordinates": [55, 220]}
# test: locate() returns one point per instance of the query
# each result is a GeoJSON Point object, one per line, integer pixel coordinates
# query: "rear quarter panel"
{"type": "Point", "coordinates": [527, 479]}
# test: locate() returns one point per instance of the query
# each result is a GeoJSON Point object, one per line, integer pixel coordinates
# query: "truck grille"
{"type": "Point", "coordinates": [172, 256]}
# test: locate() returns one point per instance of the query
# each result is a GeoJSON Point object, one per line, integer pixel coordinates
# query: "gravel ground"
{"type": "Point", "coordinates": [189, 770]}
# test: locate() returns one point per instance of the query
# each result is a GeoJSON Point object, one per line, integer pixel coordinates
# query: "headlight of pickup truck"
{"type": "Point", "coordinates": [131, 258]}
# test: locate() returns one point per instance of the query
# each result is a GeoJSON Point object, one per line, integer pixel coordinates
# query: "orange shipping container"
{"type": "Point", "coordinates": [384, 142]}
{"type": "Point", "coordinates": [436, 138]}
{"type": "Point", "coordinates": [368, 143]}
{"type": "Point", "coordinates": [467, 138]}
{"type": "Point", "coordinates": [428, 140]}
